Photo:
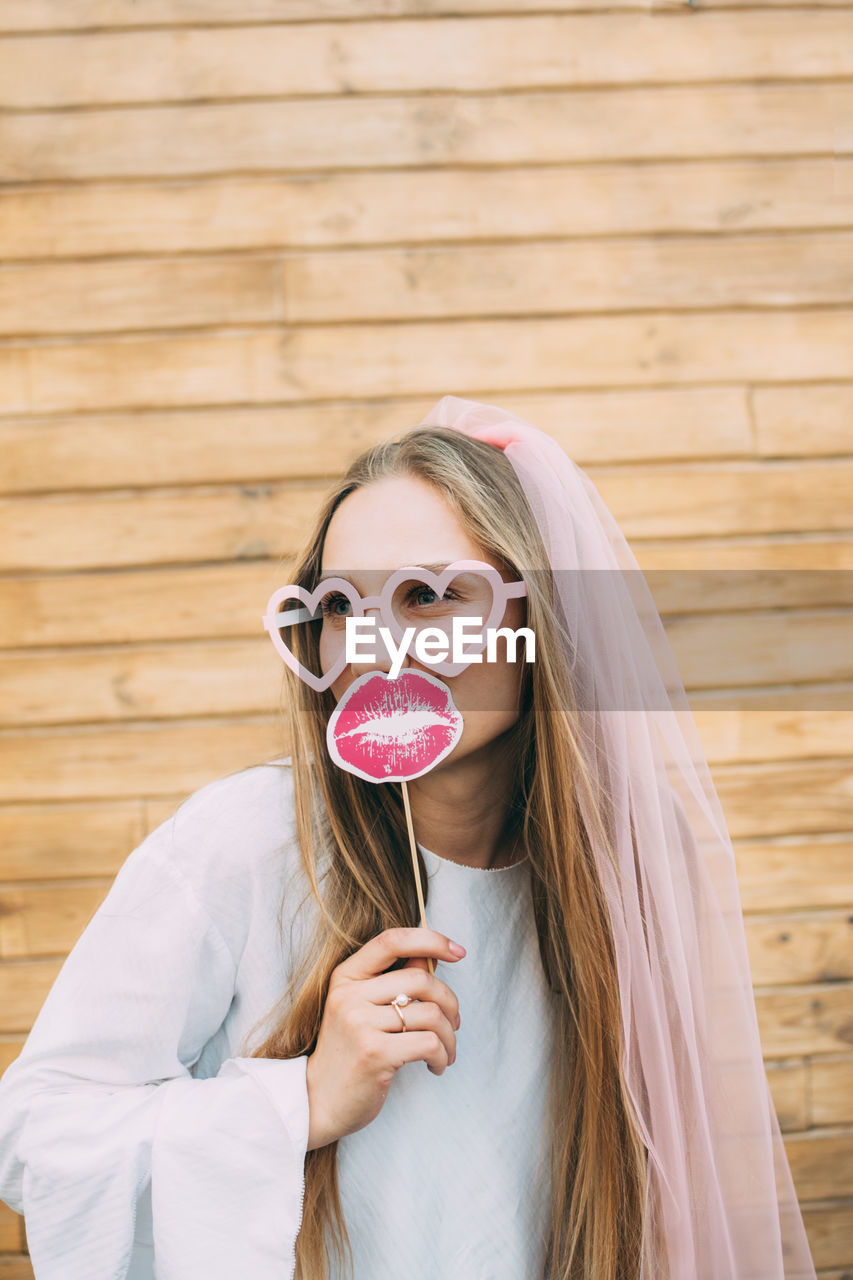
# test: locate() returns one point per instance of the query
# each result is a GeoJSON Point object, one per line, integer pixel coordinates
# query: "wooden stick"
{"type": "Point", "coordinates": [430, 961]}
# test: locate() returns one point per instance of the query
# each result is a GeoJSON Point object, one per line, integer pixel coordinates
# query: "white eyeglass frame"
{"type": "Point", "coordinates": [274, 619]}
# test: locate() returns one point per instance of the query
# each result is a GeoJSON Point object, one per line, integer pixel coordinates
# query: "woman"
{"type": "Point", "coordinates": [217, 1083]}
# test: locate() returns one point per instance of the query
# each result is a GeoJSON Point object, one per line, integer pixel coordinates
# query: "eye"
{"type": "Point", "coordinates": [416, 592]}
{"type": "Point", "coordinates": [329, 604]}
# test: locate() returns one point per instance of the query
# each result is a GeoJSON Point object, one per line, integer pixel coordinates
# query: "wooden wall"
{"type": "Point", "coordinates": [243, 238]}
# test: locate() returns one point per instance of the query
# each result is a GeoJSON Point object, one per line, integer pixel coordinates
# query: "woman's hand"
{"type": "Point", "coordinates": [361, 1042]}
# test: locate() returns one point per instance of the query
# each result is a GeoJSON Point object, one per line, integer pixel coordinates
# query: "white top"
{"type": "Point", "coordinates": [134, 1135]}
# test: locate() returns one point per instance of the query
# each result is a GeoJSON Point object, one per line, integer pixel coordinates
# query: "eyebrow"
{"type": "Point", "coordinates": [335, 573]}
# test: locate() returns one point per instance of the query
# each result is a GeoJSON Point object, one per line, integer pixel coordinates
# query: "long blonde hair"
{"type": "Point", "coordinates": [355, 853]}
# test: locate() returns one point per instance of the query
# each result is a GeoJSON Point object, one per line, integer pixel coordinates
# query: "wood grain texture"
{"type": "Point", "coordinates": [550, 277]}
{"type": "Point", "coordinates": [234, 522]}
{"type": "Point", "coordinates": [794, 871]}
{"type": "Point", "coordinates": [352, 132]}
{"type": "Point", "coordinates": [333, 361]}
{"type": "Point", "coordinates": [821, 1163]}
{"type": "Point", "coordinates": [95, 762]}
{"type": "Point", "coordinates": [450, 53]}
{"type": "Point", "coordinates": [274, 442]}
{"type": "Point", "coordinates": [57, 841]}
{"type": "Point", "coordinates": [810, 1020]}
{"type": "Point", "coordinates": [832, 1091]}
{"type": "Point", "coordinates": [829, 1225]}
{"type": "Point", "coordinates": [514, 202]}
{"type": "Point", "coordinates": [53, 15]}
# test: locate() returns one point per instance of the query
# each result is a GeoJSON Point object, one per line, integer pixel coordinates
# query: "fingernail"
{"type": "Point", "coordinates": [458, 1021]}
{"type": "Point", "coordinates": [457, 949]}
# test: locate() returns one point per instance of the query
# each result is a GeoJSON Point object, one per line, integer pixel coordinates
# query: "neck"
{"type": "Point", "coordinates": [460, 812]}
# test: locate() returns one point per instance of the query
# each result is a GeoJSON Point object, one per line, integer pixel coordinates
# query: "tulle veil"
{"type": "Point", "coordinates": [721, 1201]}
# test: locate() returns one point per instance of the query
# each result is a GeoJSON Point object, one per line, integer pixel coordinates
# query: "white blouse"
{"type": "Point", "coordinates": [139, 1144]}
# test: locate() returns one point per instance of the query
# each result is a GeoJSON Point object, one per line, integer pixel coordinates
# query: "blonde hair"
{"type": "Point", "coordinates": [357, 830]}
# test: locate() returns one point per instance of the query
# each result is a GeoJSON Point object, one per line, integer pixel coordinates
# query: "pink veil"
{"type": "Point", "coordinates": [721, 1202]}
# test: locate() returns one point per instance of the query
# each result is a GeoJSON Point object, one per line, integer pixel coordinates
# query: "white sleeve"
{"type": "Point", "coordinates": [101, 1100]}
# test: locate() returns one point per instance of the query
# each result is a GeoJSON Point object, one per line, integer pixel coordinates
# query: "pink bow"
{"type": "Point", "coordinates": [499, 434]}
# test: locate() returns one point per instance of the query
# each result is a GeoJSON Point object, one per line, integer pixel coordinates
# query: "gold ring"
{"type": "Point", "coordinates": [394, 1005]}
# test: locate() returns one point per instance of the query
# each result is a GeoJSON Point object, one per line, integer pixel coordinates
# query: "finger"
{"type": "Point", "coordinates": [418, 985]}
{"type": "Point", "coordinates": [422, 1016]}
{"type": "Point", "coordinates": [416, 1046]}
{"type": "Point", "coordinates": [392, 944]}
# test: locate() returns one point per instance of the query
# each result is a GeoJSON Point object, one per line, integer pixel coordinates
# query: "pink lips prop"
{"type": "Point", "coordinates": [391, 730]}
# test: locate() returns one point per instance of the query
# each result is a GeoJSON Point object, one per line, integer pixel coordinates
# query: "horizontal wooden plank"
{"type": "Point", "coordinates": [351, 132]}
{"type": "Point", "coordinates": [52, 15]}
{"type": "Point", "coordinates": [805, 1020]}
{"type": "Point", "coordinates": [133, 761]}
{"type": "Point", "coordinates": [821, 1162]}
{"type": "Point", "coordinates": [47, 920]}
{"type": "Point", "coordinates": [509, 203]}
{"type": "Point", "coordinates": [829, 1226]}
{"type": "Point", "coordinates": [157, 527]}
{"type": "Point", "coordinates": [795, 872]}
{"type": "Point", "coordinates": [40, 842]}
{"type": "Point", "coordinates": [24, 985]}
{"type": "Point", "coordinates": [801, 947]}
{"type": "Point", "coordinates": [741, 650]}
{"type": "Point", "coordinates": [550, 277]}
{"type": "Point", "coordinates": [426, 358]}
{"type": "Point", "coordinates": [832, 1090]}
{"type": "Point", "coordinates": [788, 1080]}
{"type": "Point", "coordinates": [732, 569]}
{"type": "Point", "coordinates": [205, 523]}
{"type": "Point", "coordinates": [184, 602]}
{"type": "Point", "coordinates": [802, 420]}
{"type": "Point", "coordinates": [117, 683]}
{"type": "Point", "coordinates": [753, 727]}
{"type": "Point", "coordinates": [775, 575]}
{"type": "Point", "coordinates": [437, 54]}
{"type": "Point", "coordinates": [785, 798]}
{"type": "Point", "coordinates": [169, 603]}
{"type": "Point", "coordinates": [737, 497]}
{"type": "Point", "coordinates": [243, 676]}
{"type": "Point", "coordinates": [156, 293]}
{"type": "Point", "coordinates": [279, 442]}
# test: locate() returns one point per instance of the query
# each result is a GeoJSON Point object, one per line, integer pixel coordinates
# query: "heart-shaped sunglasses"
{"type": "Point", "coordinates": [484, 596]}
